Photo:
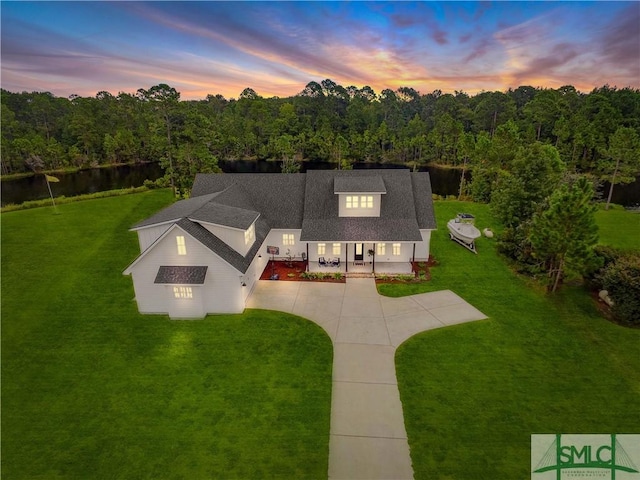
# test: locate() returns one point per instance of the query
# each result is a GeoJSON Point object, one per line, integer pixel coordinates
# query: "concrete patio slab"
{"type": "Point", "coordinates": [276, 287]}
{"type": "Point", "coordinates": [323, 310]}
{"type": "Point", "coordinates": [366, 410]}
{"type": "Point", "coordinates": [367, 439]}
{"type": "Point", "coordinates": [437, 299]}
{"type": "Point", "coordinates": [272, 301]}
{"type": "Point", "coordinates": [366, 458]}
{"type": "Point", "coordinates": [361, 287]}
{"type": "Point", "coordinates": [402, 327]}
{"type": "Point", "coordinates": [460, 313]}
{"type": "Point", "coordinates": [361, 307]}
{"type": "Point", "coordinates": [369, 330]}
{"type": "Point", "coordinates": [356, 362]}
{"type": "Point", "coordinates": [398, 306]}
{"type": "Point", "coordinates": [322, 289]}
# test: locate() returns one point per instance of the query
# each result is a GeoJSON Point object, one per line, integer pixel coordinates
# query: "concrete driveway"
{"type": "Point", "coordinates": [368, 439]}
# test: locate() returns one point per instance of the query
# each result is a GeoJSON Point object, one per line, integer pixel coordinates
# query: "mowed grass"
{"type": "Point", "coordinates": [619, 228]}
{"type": "Point", "coordinates": [93, 390]}
{"type": "Point", "coordinates": [474, 393]}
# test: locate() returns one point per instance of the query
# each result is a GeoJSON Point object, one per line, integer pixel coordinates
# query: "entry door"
{"type": "Point", "coordinates": [358, 255]}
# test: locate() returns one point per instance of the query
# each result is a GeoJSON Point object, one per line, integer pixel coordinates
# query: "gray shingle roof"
{"type": "Point", "coordinates": [214, 212]}
{"type": "Point", "coordinates": [181, 275]}
{"type": "Point", "coordinates": [301, 201]}
{"type": "Point", "coordinates": [176, 211]}
{"type": "Point", "coordinates": [423, 200]}
{"type": "Point", "coordinates": [278, 197]}
{"type": "Point", "coordinates": [359, 184]}
{"type": "Point", "coordinates": [220, 248]}
{"type": "Point", "coordinates": [397, 219]}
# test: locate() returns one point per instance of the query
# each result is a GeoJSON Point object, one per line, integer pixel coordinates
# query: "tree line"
{"type": "Point", "coordinates": [535, 154]}
{"type": "Point", "coordinates": [325, 122]}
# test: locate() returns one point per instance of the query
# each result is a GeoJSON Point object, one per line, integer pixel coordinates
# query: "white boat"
{"type": "Point", "coordinates": [462, 229]}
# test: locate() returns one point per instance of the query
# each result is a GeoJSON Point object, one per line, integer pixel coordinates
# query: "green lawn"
{"type": "Point", "coordinates": [92, 389]}
{"type": "Point", "coordinates": [473, 394]}
{"type": "Point", "coordinates": [619, 228]}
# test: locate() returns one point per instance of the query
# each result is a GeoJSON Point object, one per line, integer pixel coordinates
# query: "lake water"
{"type": "Point", "coordinates": [443, 181]}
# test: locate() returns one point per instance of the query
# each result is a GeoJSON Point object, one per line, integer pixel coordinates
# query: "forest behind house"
{"type": "Point", "coordinates": [325, 122]}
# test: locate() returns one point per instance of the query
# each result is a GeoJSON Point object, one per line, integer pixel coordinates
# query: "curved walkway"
{"type": "Point", "coordinates": [368, 439]}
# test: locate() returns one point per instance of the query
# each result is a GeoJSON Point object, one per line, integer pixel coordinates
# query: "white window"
{"type": "Point", "coordinates": [182, 248]}
{"type": "Point", "coordinates": [322, 248]}
{"type": "Point", "coordinates": [287, 239]}
{"type": "Point", "coordinates": [352, 201]}
{"type": "Point", "coordinates": [182, 292]}
{"type": "Point", "coordinates": [250, 234]}
{"type": "Point", "coordinates": [366, 201]}
{"type": "Point", "coordinates": [381, 248]}
{"type": "Point", "coordinates": [396, 249]}
{"type": "Point", "coordinates": [336, 249]}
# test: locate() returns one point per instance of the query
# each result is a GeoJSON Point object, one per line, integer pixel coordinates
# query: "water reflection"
{"type": "Point", "coordinates": [444, 181]}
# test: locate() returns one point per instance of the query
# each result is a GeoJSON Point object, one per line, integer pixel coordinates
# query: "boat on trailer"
{"type": "Point", "coordinates": [462, 230]}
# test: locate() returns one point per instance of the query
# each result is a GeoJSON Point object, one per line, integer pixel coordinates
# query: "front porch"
{"type": "Point", "coordinates": [359, 268]}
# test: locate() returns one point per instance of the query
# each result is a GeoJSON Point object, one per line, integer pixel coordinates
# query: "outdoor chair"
{"type": "Point", "coordinates": [335, 262]}
{"type": "Point", "coordinates": [322, 262]}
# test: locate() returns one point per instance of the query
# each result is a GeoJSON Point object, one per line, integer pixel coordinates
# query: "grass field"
{"type": "Point", "coordinates": [474, 393]}
{"type": "Point", "coordinates": [619, 228]}
{"type": "Point", "coordinates": [93, 390]}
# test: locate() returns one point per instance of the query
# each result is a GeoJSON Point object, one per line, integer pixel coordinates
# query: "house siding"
{"type": "Point", "coordinates": [231, 236]}
{"type": "Point", "coordinates": [221, 292]}
{"type": "Point", "coordinates": [274, 239]}
{"type": "Point", "coordinates": [423, 248]}
{"type": "Point", "coordinates": [343, 211]}
{"type": "Point", "coordinates": [148, 235]}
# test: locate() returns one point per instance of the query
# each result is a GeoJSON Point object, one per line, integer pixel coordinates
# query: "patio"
{"type": "Point", "coordinates": [390, 268]}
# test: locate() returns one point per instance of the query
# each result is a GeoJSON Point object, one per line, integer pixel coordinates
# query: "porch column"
{"type": "Point", "coordinates": [414, 253]}
{"type": "Point", "coordinates": [346, 257]}
{"type": "Point", "coordinates": [307, 266]}
{"type": "Point", "coordinates": [373, 257]}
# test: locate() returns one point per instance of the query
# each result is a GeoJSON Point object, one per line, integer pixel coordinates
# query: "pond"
{"type": "Point", "coordinates": [444, 181]}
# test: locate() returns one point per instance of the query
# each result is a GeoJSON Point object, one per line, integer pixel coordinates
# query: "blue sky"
{"type": "Point", "coordinates": [276, 48]}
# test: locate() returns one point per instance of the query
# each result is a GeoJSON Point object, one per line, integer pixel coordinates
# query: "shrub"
{"type": "Point", "coordinates": [291, 275]}
{"type": "Point", "coordinates": [406, 278]}
{"type": "Point", "coordinates": [603, 256]}
{"type": "Point", "coordinates": [162, 182]}
{"type": "Point", "coordinates": [62, 200]}
{"type": "Point", "coordinates": [621, 278]}
{"type": "Point", "coordinates": [338, 275]}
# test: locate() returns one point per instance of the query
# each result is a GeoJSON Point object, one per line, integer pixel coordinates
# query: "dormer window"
{"type": "Point", "coordinates": [359, 196]}
{"type": "Point", "coordinates": [182, 247]}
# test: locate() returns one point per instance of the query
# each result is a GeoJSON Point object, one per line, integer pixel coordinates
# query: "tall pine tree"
{"type": "Point", "coordinates": [563, 236]}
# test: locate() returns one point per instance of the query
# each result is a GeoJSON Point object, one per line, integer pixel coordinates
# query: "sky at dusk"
{"type": "Point", "coordinates": [276, 48]}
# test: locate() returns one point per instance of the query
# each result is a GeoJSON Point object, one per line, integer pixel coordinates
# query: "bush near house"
{"type": "Point", "coordinates": [621, 278]}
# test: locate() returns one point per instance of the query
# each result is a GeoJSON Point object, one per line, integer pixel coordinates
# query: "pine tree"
{"type": "Point", "coordinates": [622, 163]}
{"type": "Point", "coordinates": [563, 236]}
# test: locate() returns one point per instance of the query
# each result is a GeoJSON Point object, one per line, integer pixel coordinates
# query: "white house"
{"type": "Point", "coordinates": [203, 255]}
